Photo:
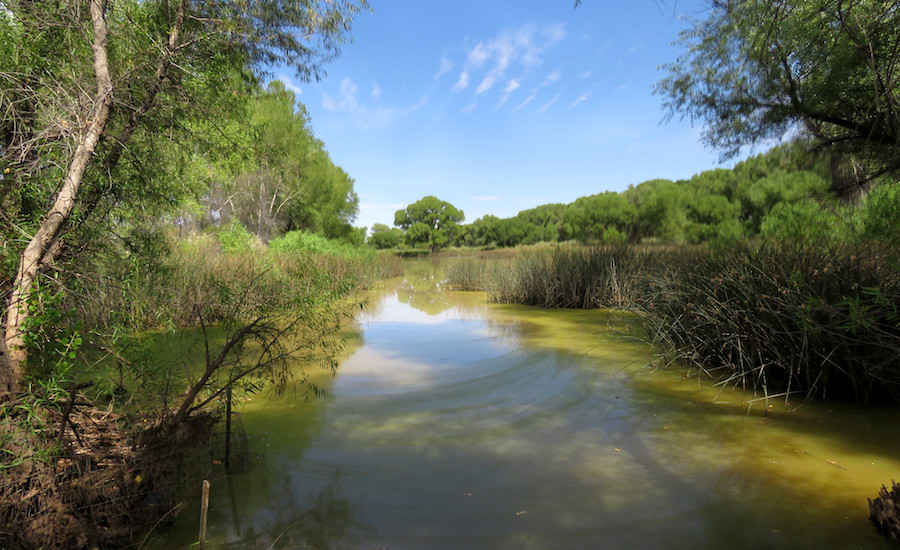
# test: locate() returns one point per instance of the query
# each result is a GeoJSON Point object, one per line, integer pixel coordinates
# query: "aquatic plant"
{"type": "Point", "coordinates": [820, 319]}
{"type": "Point", "coordinates": [576, 276]}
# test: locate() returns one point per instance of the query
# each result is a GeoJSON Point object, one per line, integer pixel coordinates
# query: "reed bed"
{"type": "Point", "coordinates": [198, 273]}
{"type": "Point", "coordinates": [576, 277]}
{"type": "Point", "coordinates": [818, 319]}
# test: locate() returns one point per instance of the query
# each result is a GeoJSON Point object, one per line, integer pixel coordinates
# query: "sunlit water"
{"type": "Point", "coordinates": [459, 424]}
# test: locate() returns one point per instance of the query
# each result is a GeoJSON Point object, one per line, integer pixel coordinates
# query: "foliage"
{"type": "Point", "coordinates": [234, 237]}
{"type": "Point", "coordinates": [755, 70]}
{"type": "Point", "coordinates": [715, 204]}
{"type": "Point", "coordinates": [813, 316]}
{"type": "Point", "coordinates": [285, 180]}
{"type": "Point", "coordinates": [383, 237]}
{"type": "Point", "coordinates": [574, 277]}
{"type": "Point", "coordinates": [301, 241]}
{"type": "Point", "coordinates": [467, 274]}
{"type": "Point", "coordinates": [430, 221]}
{"type": "Point", "coordinates": [108, 108]}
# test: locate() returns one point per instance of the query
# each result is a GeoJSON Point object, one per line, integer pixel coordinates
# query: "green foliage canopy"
{"type": "Point", "coordinates": [429, 220]}
{"type": "Point", "coordinates": [754, 70]}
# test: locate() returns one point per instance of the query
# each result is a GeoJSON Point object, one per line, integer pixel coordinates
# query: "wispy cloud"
{"type": "Point", "coordinates": [522, 48]}
{"type": "Point", "coordinates": [528, 100]}
{"type": "Point", "coordinates": [586, 74]}
{"type": "Point", "coordinates": [446, 67]}
{"type": "Point", "coordinates": [289, 84]}
{"type": "Point", "coordinates": [582, 98]}
{"type": "Point", "coordinates": [547, 105]}
{"type": "Point", "coordinates": [462, 83]}
{"type": "Point", "coordinates": [376, 91]}
{"type": "Point", "coordinates": [511, 87]}
{"type": "Point", "coordinates": [552, 77]}
{"type": "Point", "coordinates": [365, 117]}
{"type": "Point", "coordinates": [468, 108]}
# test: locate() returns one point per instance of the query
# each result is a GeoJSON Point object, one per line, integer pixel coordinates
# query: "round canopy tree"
{"type": "Point", "coordinates": [429, 220]}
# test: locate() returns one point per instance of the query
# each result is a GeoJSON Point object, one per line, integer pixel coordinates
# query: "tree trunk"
{"type": "Point", "coordinates": [41, 250]}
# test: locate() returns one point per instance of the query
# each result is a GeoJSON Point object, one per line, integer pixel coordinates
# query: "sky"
{"type": "Point", "coordinates": [498, 106]}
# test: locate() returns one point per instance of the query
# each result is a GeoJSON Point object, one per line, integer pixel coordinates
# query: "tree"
{"type": "Point", "coordinates": [91, 98]}
{"type": "Point", "coordinates": [287, 181]}
{"type": "Point", "coordinates": [384, 237]}
{"type": "Point", "coordinates": [429, 220]}
{"type": "Point", "coordinates": [754, 70]}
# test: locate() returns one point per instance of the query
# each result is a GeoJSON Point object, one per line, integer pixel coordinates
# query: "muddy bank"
{"type": "Point", "coordinates": [88, 480]}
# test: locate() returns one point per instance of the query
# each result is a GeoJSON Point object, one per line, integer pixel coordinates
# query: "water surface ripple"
{"type": "Point", "coordinates": [456, 424]}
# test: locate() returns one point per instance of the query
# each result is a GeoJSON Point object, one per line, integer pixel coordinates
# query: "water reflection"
{"type": "Point", "coordinates": [323, 520]}
{"type": "Point", "coordinates": [462, 425]}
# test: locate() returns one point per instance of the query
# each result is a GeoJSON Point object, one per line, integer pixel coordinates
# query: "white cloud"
{"type": "Point", "coordinates": [376, 91]}
{"type": "Point", "coordinates": [586, 74]}
{"type": "Point", "coordinates": [346, 102]}
{"type": "Point", "coordinates": [289, 84]}
{"type": "Point", "coordinates": [552, 77]}
{"type": "Point", "coordinates": [522, 48]}
{"type": "Point", "coordinates": [468, 108]}
{"type": "Point", "coordinates": [486, 84]}
{"type": "Point", "coordinates": [583, 97]}
{"type": "Point", "coordinates": [446, 67]}
{"type": "Point", "coordinates": [528, 100]}
{"type": "Point", "coordinates": [547, 105]}
{"type": "Point", "coordinates": [511, 87]}
{"type": "Point", "coordinates": [462, 83]}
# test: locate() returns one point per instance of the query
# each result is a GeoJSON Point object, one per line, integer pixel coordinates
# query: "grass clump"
{"type": "Point", "coordinates": [575, 277]}
{"type": "Point", "coordinates": [815, 318]}
{"type": "Point", "coordinates": [466, 274]}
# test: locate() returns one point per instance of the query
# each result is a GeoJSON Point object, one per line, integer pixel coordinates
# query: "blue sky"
{"type": "Point", "coordinates": [498, 106]}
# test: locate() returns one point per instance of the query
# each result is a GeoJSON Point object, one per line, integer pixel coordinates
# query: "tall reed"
{"type": "Point", "coordinates": [576, 277]}
{"type": "Point", "coordinates": [816, 318]}
{"type": "Point", "coordinates": [819, 319]}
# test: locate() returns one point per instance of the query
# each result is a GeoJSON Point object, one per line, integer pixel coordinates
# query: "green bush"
{"type": "Point", "coordinates": [295, 242]}
{"type": "Point", "coordinates": [234, 237]}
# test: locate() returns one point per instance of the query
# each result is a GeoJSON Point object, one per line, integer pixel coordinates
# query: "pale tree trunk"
{"type": "Point", "coordinates": [43, 249]}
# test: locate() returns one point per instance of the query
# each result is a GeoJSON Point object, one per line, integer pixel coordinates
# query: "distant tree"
{"type": "Point", "coordinates": [754, 70]}
{"type": "Point", "coordinates": [384, 236]}
{"type": "Point", "coordinates": [589, 217]}
{"type": "Point", "coordinates": [430, 221]}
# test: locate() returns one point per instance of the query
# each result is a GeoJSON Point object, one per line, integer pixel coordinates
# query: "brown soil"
{"type": "Point", "coordinates": [94, 487]}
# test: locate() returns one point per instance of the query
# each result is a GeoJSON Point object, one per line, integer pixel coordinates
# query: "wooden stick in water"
{"type": "Point", "coordinates": [204, 508]}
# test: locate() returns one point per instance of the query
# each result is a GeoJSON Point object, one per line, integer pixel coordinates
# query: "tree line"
{"type": "Point", "coordinates": [762, 195]}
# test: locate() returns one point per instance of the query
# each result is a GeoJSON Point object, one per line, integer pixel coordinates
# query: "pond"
{"type": "Point", "coordinates": [454, 423]}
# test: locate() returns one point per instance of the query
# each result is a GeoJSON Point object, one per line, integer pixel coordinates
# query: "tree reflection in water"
{"type": "Point", "coordinates": [326, 521]}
